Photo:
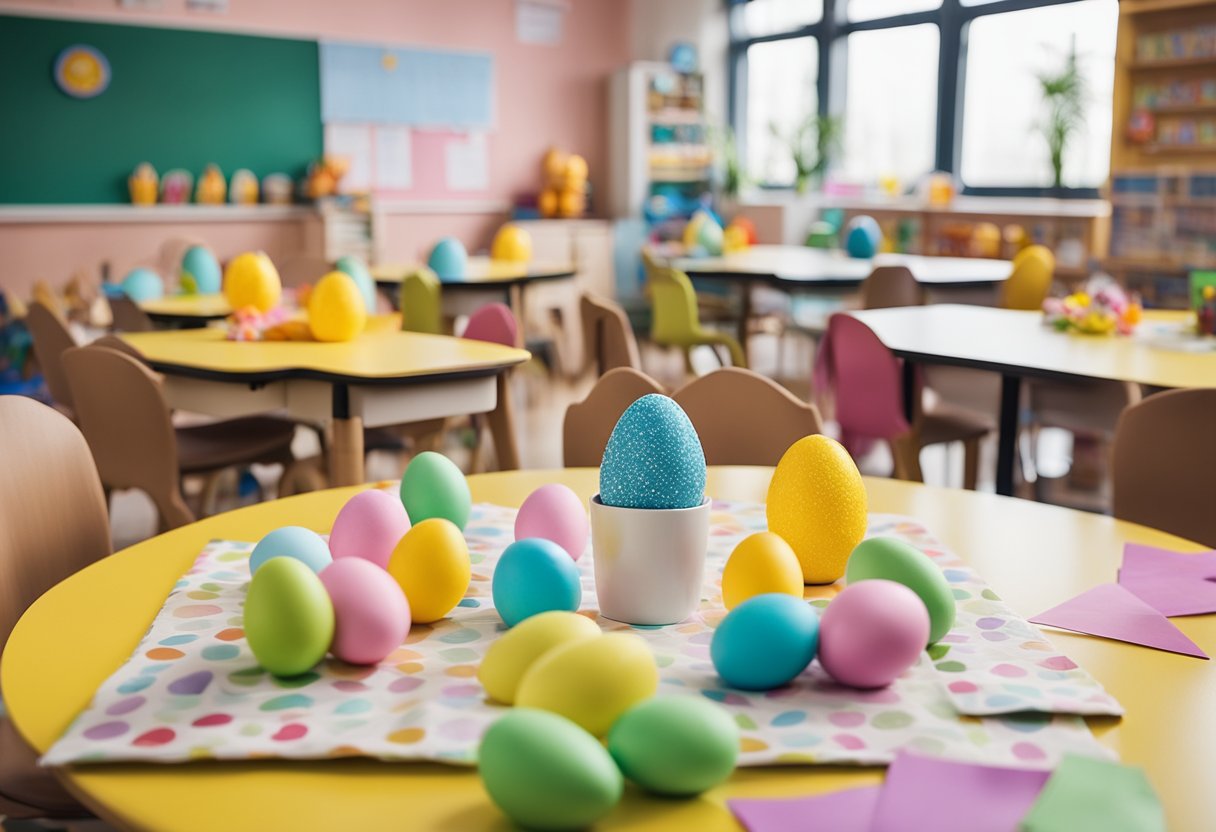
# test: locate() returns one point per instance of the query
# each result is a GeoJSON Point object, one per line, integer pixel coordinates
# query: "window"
{"type": "Point", "coordinates": [780, 94]}
{"type": "Point", "coordinates": [874, 9]}
{"type": "Point", "coordinates": [764, 17]}
{"type": "Point", "coordinates": [1002, 110]}
{"type": "Point", "coordinates": [891, 105]}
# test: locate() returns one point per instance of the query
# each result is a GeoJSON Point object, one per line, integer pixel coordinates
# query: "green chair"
{"type": "Point", "coordinates": [675, 322]}
{"type": "Point", "coordinates": [420, 302]}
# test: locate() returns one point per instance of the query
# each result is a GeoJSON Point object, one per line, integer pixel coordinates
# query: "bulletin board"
{"type": "Point", "coordinates": [177, 99]}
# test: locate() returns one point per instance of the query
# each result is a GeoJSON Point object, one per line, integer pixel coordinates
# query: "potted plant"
{"type": "Point", "coordinates": [812, 144]}
{"type": "Point", "coordinates": [1064, 93]}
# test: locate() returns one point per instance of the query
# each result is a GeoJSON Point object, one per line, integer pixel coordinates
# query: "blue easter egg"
{"type": "Point", "coordinates": [653, 458]}
{"type": "Point", "coordinates": [448, 259]}
{"type": "Point", "coordinates": [200, 271]}
{"type": "Point", "coordinates": [862, 237]}
{"type": "Point", "coordinates": [765, 642]}
{"type": "Point", "coordinates": [534, 576]}
{"type": "Point", "coordinates": [359, 273]}
{"type": "Point", "coordinates": [143, 284]}
{"type": "Point", "coordinates": [297, 542]}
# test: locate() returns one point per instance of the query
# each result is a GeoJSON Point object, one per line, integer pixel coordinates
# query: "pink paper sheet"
{"type": "Point", "coordinates": [849, 810]}
{"type": "Point", "coordinates": [1170, 582]}
{"type": "Point", "coordinates": [1112, 611]}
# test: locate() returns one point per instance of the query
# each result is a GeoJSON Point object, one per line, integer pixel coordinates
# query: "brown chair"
{"type": "Point", "coordinates": [52, 338]}
{"type": "Point", "coordinates": [609, 338]}
{"type": "Point", "coordinates": [1165, 464]}
{"type": "Point", "coordinates": [126, 316]}
{"type": "Point", "coordinates": [889, 286]}
{"type": "Point", "coordinates": [589, 423]}
{"type": "Point", "coordinates": [52, 524]}
{"type": "Point", "coordinates": [744, 418]}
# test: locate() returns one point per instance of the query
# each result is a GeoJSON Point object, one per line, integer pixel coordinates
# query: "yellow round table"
{"type": "Point", "coordinates": [1034, 555]}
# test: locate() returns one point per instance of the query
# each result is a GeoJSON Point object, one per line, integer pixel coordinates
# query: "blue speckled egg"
{"type": "Point", "coordinates": [448, 259]}
{"type": "Point", "coordinates": [143, 284]}
{"type": "Point", "coordinates": [653, 458]}
{"type": "Point", "coordinates": [200, 273]}
{"type": "Point", "coordinates": [297, 542]}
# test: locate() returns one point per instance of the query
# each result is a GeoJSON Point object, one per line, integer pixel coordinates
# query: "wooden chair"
{"type": "Point", "coordinates": [589, 423]}
{"type": "Point", "coordinates": [890, 286]}
{"type": "Point", "coordinates": [52, 338]}
{"type": "Point", "coordinates": [609, 338]}
{"type": "Point", "coordinates": [1030, 282]}
{"type": "Point", "coordinates": [675, 322]}
{"type": "Point", "coordinates": [53, 523]}
{"type": "Point", "coordinates": [1164, 464]}
{"type": "Point", "coordinates": [744, 418]}
{"type": "Point", "coordinates": [128, 317]}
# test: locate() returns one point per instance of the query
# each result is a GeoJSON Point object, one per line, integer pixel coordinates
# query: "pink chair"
{"type": "Point", "coordinates": [867, 384]}
{"type": "Point", "coordinates": [496, 324]}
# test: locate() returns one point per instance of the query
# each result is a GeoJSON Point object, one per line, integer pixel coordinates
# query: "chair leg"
{"type": "Point", "coordinates": [172, 509]}
{"type": "Point", "coordinates": [971, 463]}
{"type": "Point", "coordinates": [210, 494]}
{"type": "Point", "coordinates": [301, 476]}
{"type": "Point", "coordinates": [906, 450]}
{"type": "Point", "coordinates": [688, 368]}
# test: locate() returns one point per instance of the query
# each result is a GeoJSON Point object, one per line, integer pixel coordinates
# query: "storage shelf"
{"type": "Point", "coordinates": [1179, 149]}
{"type": "Point", "coordinates": [1150, 6]}
{"type": "Point", "coordinates": [1183, 109]}
{"type": "Point", "coordinates": [1138, 264]}
{"type": "Point", "coordinates": [1175, 63]}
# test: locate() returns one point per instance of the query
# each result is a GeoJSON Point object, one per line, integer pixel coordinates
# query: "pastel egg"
{"type": "Point", "coordinates": [591, 682]}
{"type": "Point", "coordinates": [760, 564]}
{"type": "Point", "coordinates": [872, 632]}
{"type": "Point", "coordinates": [143, 284]}
{"type": "Point", "coordinates": [371, 614]}
{"type": "Point", "coordinates": [250, 279]}
{"type": "Point", "coordinates": [358, 271]}
{"type": "Point", "coordinates": [508, 658]}
{"type": "Point", "coordinates": [369, 526]}
{"type": "Point", "coordinates": [896, 560]}
{"type": "Point", "coordinates": [431, 565]}
{"type": "Point", "coordinates": [545, 772]}
{"type": "Point", "coordinates": [817, 503]}
{"type": "Point", "coordinates": [200, 272]}
{"type": "Point", "coordinates": [765, 642]}
{"type": "Point", "coordinates": [297, 542]}
{"type": "Point", "coordinates": [653, 458]}
{"type": "Point", "coordinates": [336, 310]}
{"type": "Point", "coordinates": [534, 576]}
{"type": "Point", "coordinates": [448, 259]}
{"type": "Point", "coordinates": [554, 512]}
{"type": "Point", "coordinates": [288, 617]}
{"type": "Point", "coordinates": [432, 486]}
{"type": "Point", "coordinates": [675, 745]}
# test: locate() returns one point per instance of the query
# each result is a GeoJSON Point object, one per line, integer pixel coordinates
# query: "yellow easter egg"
{"type": "Point", "coordinates": [512, 244]}
{"type": "Point", "coordinates": [509, 658]}
{"type": "Point", "coordinates": [817, 504]}
{"type": "Point", "coordinates": [571, 202]}
{"type": "Point", "coordinates": [575, 172]}
{"type": "Point", "coordinates": [591, 682]}
{"type": "Point", "coordinates": [336, 309]}
{"type": "Point", "coordinates": [734, 238]}
{"type": "Point", "coordinates": [760, 564]}
{"type": "Point", "coordinates": [547, 203]}
{"type": "Point", "coordinates": [250, 279]}
{"type": "Point", "coordinates": [553, 165]}
{"type": "Point", "coordinates": [431, 564]}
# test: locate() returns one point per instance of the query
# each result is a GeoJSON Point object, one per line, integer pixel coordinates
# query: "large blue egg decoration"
{"type": "Point", "coordinates": [143, 285]}
{"type": "Point", "coordinates": [653, 459]}
{"type": "Point", "coordinates": [862, 237]}
{"type": "Point", "coordinates": [358, 272]}
{"type": "Point", "coordinates": [448, 259]}
{"type": "Point", "coordinates": [200, 273]}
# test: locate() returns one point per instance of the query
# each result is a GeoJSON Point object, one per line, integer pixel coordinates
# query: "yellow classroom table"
{"type": "Point", "coordinates": [187, 310]}
{"type": "Point", "coordinates": [383, 377]}
{"type": "Point", "coordinates": [1017, 345]}
{"type": "Point", "coordinates": [1033, 555]}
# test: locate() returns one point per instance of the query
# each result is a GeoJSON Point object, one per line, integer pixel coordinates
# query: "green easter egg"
{"type": "Point", "coordinates": [432, 486]}
{"type": "Point", "coordinates": [675, 745]}
{"type": "Point", "coordinates": [289, 619]}
{"type": "Point", "coordinates": [545, 772]}
{"type": "Point", "coordinates": [892, 559]}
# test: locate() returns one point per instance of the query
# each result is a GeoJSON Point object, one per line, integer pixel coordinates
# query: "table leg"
{"type": "Point", "coordinates": [910, 390]}
{"type": "Point", "coordinates": [1007, 439]}
{"type": "Point", "coordinates": [745, 315]}
{"type": "Point", "coordinates": [346, 450]}
{"type": "Point", "coordinates": [502, 426]}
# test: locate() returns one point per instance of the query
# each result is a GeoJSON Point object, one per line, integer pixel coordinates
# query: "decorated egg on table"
{"type": "Point", "coordinates": [765, 642]}
{"type": "Point", "coordinates": [297, 542]}
{"type": "Point", "coordinates": [448, 259]}
{"type": "Point", "coordinates": [710, 236]}
{"type": "Point", "coordinates": [534, 576]}
{"type": "Point", "coordinates": [591, 682]}
{"type": "Point", "coordinates": [358, 272]}
{"type": "Point", "coordinates": [432, 486]}
{"type": "Point", "coordinates": [734, 239]}
{"type": "Point", "coordinates": [653, 458]}
{"type": "Point", "coordinates": [508, 658]}
{"type": "Point", "coordinates": [675, 745]}
{"type": "Point", "coordinates": [431, 565]}
{"type": "Point", "coordinates": [250, 279]}
{"type": "Point", "coordinates": [512, 244]}
{"type": "Point", "coordinates": [896, 560]}
{"type": "Point", "coordinates": [554, 512]}
{"type": "Point", "coordinates": [862, 237]}
{"type": "Point", "coordinates": [692, 230]}
{"type": "Point", "coordinates": [336, 311]}
{"type": "Point", "coordinates": [288, 617]}
{"type": "Point", "coordinates": [817, 503]}
{"type": "Point", "coordinates": [200, 272]}
{"type": "Point", "coordinates": [761, 563]}
{"type": "Point", "coordinates": [369, 526]}
{"type": "Point", "coordinates": [371, 613]}
{"type": "Point", "coordinates": [872, 632]}
{"type": "Point", "coordinates": [143, 284]}
{"type": "Point", "coordinates": [544, 772]}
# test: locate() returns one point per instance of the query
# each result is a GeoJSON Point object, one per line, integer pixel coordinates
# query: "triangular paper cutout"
{"type": "Point", "coordinates": [1170, 582]}
{"type": "Point", "coordinates": [1111, 611]}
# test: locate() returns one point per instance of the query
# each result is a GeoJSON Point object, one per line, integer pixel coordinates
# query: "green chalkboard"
{"type": "Point", "coordinates": [177, 99]}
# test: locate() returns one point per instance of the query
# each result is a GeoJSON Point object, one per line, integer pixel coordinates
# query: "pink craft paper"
{"type": "Point", "coordinates": [850, 810]}
{"type": "Point", "coordinates": [948, 796]}
{"type": "Point", "coordinates": [1112, 611]}
{"type": "Point", "coordinates": [1170, 582]}
{"type": "Point", "coordinates": [1141, 559]}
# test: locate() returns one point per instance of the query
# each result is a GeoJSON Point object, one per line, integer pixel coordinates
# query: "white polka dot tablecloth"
{"type": "Point", "coordinates": [993, 690]}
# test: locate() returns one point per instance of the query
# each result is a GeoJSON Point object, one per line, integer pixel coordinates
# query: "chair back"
{"type": "Point", "coordinates": [113, 342]}
{"type": "Point", "coordinates": [494, 323]}
{"type": "Point", "coordinates": [1164, 464]}
{"type": "Point", "coordinates": [607, 334]}
{"type": "Point", "coordinates": [1030, 282]}
{"type": "Point", "coordinates": [421, 296]}
{"type": "Point", "coordinates": [890, 286]}
{"type": "Point", "coordinates": [302, 270]}
{"type": "Point", "coordinates": [866, 380]}
{"type": "Point", "coordinates": [744, 418]}
{"type": "Point", "coordinates": [675, 319]}
{"type": "Point", "coordinates": [589, 423]}
{"type": "Point", "coordinates": [53, 518]}
{"type": "Point", "coordinates": [128, 317]}
{"type": "Point", "coordinates": [51, 338]}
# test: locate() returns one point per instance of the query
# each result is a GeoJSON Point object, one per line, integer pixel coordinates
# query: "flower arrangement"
{"type": "Point", "coordinates": [1100, 307]}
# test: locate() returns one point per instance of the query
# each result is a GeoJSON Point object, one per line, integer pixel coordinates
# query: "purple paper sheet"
{"type": "Point", "coordinates": [1170, 582]}
{"type": "Point", "coordinates": [849, 810]}
{"type": "Point", "coordinates": [1111, 611]}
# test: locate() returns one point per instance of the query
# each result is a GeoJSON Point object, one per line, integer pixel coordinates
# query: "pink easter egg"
{"type": "Point", "coordinates": [554, 512]}
{"type": "Point", "coordinates": [871, 632]}
{"type": "Point", "coordinates": [371, 615]}
{"type": "Point", "coordinates": [369, 526]}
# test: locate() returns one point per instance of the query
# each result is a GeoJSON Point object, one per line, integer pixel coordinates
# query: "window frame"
{"type": "Point", "coordinates": [831, 32]}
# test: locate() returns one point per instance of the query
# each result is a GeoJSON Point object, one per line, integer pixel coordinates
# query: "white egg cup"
{"type": "Point", "coordinates": [649, 563]}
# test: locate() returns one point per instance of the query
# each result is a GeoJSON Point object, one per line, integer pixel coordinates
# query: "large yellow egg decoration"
{"type": "Point", "coordinates": [250, 279]}
{"type": "Point", "coordinates": [336, 309]}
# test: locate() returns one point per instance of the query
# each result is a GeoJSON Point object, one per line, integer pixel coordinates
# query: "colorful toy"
{"type": "Point", "coordinates": [431, 564]}
{"type": "Point", "coordinates": [297, 542]}
{"type": "Point", "coordinates": [534, 576]}
{"type": "Point", "coordinates": [892, 559]}
{"type": "Point", "coordinates": [862, 237]}
{"type": "Point", "coordinates": [200, 272]}
{"type": "Point", "coordinates": [371, 614]}
{"type": "Point", "coordinates": [748, 227]}
{"type": "Point", "coordinates": [288, 617]}
{"type": "Point", "coordinates": [677, 746]}
{"type": "Point", "coordinates": [277, 189]}
{"type": "Point", "coordinates": [554, 512]}
{"type": "Point", "coordinates": [872, 632]}
{"type": "Point", "coordinates": [175, 187]}
{"type": "Point", "coordinates": [211, 187]}
{"type": "Point", "coordinates": [509, 658]}
{"type": "Point", "coordinates": [734, 239]}
{"type": "Point", "coordinates": [432, 486]}
{"type": "Point", "coordinates": [324, 176]}
{"type": "Point", "coordinates": [142, 184]}
{"type": "Point", "coordinates": [1101, 307]}
{"type": "Point", "coordinates": [765, 642]}
{"type": "Point", "coordinates": [762, 563]}
{"type": "Point", "coordinates": [336, 310]}
{"type": "Point", "coordinates": [448, 259]}
{"type": "Point", "coordinates": [251, 279]}
{"type": "Point", "coordinates": [512, 244]}
{"type": "Point", "coordinates": [369, 526]}
{"type": "Point", "coordinates": [143, 284]}
{"type": "Point", "coordinates": [249, 324]}
{"type": "Point", "coordinates": [243, 190]}
{"type": "Point", "coordinates": [938, 189]}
